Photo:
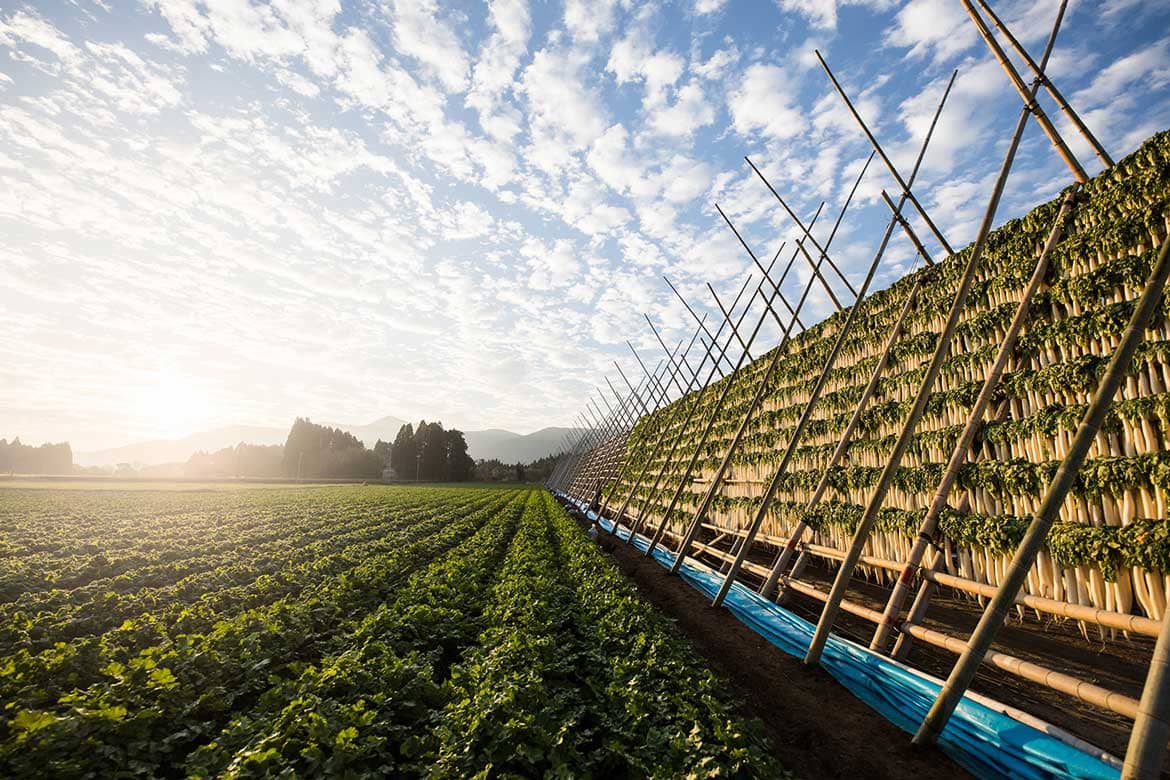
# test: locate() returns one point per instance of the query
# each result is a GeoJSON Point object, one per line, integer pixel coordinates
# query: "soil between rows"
{"type": "Point", "coordinates": [817, 727]}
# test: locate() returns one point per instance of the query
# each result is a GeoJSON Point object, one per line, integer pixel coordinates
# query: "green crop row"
{"type": "Point", "coordinates": [450, 632]}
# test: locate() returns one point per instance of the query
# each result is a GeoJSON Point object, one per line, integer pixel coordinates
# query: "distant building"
{"type": "Point", "coordinates": [389, 474]}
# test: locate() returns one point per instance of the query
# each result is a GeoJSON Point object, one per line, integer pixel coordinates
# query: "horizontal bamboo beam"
{"type": "Point", "coordinates": [1041, 675]}
{"type": "Point", "coordinates": [1102, 617]}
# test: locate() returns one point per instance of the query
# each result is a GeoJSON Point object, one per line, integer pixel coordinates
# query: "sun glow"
{"type": "Point", "coordinates": [172, 406]}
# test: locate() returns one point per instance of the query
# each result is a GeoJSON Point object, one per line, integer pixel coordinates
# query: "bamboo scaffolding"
{"type": "Point", "coordinates": [896, 215]}
{"type": "Point", "coordinates": [718, 405]}
{"type": "Point", "coordinates": [878, 494]}
{"type": "Point", "coordinates": [814, 396]}
{"type": "Point", "coordinates": [681, 430]}
{"type": "Point", "coordinates": [757, 396]}
{"type": "Point", "coordinates": [984, 634]}
{"type": "Point", "coordinates": [621, 471]}
{"type": "Point", "coordinates": [785, 555]}
{"type": "Point", "coordinates": [974, 424]}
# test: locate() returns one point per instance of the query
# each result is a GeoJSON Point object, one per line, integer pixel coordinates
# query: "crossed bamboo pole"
{"type": "Point", "coordinates": [1148, 739]}
{"type": "Point", "coordinates": [786, 553]}
{"type": "Point", "coordinates": [1007, 349]}
{"type": "Point", "coordinates": [934, 367]}
{"type": "Point", "coordinates": [626, 461]}
{"type": "Point", "coordinates": [693, 407]}
{"type": "Point", "coordinates": [709, 346]}
{"type": "Point", "coordinates": [713, 416]}
{"type": "Point", "coordinates": [592, 433]}
{"type": "Point", "coordinates": [761, 388]}
{"type": "Point", "coordinates": [806, 414]}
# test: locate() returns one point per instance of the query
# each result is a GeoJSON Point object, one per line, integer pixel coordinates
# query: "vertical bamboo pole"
{"type": "Point", "coordinates": [1147, 741]}
{"type": "Point", "coordinates": [785, 555]}
{"type": "Point", "coordinates": [974, 424]}
{"type": "Point", "coordinates": [877, 497]}
{"type": "Point", "coordinates": [997, 609]}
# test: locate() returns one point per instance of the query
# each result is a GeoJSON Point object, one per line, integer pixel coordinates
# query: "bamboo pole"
{"type": "Point", "coordinates": [714, 339]}
{"type": "Point", "coordinates": [718, 404]}
{"type": "Point", "coordinates": [989, 625]}
{"type": "Point", "coordinates": [921, 602]}
{"type": "Point", "coordinates": [1042, 675]}
{"type": "Point", "coordinates": [1146, 751]}
{"type": "Point", "coordinates": [785, 555]}
{"type": "Point", "coordinates": [877, 497]}
{"type": "Point", "coordinates": [1028, 95]}
{"type": "Point", "coordinates": [896, 215]}
{"type": "Point", "coordinates": [761, 387]}
{"type": "Point", "coordinates": [681, 429]}
{"type": "Point", "coordinates": [1038, 72]}
{"type": "Point", "coordinates": [974, 425]}
{"type": "Point", "coordinates": [906, 193]}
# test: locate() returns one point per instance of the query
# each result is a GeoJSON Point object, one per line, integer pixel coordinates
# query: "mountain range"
{"type": "Point", "coordinates": [504, 445]}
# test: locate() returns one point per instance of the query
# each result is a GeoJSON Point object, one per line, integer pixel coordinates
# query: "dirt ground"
{"type": "Point", "coordinates": [818, 728]}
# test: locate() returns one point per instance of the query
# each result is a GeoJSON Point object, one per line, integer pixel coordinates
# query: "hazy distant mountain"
{"type": "Point", "coordinates": [493, 443]}
{"type": "Point", "coordinates": [514, 447]}
{"type": "Point", "coordinates": [150, 453]}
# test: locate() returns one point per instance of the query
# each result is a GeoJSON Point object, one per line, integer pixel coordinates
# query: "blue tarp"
{"type": "Point", "coordinates": [985, 741]}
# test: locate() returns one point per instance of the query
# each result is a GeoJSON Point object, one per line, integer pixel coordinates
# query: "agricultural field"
{"type": "Point", "coordinates": [342, 631]}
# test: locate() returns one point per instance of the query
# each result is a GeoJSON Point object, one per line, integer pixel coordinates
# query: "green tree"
{"type": "Point", "coordinates": [402, 454]}
{"type": "Point", "coordinates": [460, 466]}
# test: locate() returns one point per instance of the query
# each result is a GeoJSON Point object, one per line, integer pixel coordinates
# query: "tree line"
{"type": "Point", "coordinates": [18, 458]}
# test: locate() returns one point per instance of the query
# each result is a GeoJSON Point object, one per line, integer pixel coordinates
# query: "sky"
{"type": "Point", "coordinates": [221, 212]}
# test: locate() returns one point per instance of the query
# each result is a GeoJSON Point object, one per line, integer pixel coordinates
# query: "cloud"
{"type": "Point", "coordinates": [25, 27]}
{"type": "Point", "coordinates": [560, 100]}
{"type": "Point", "coordinates": [938, 29]}
{"type": "Point", "coordinates": [763, 102]}
{"type": "Point", "coordinates": [419, 33]}
{"type": "Point", "coordinates": [495, 69]}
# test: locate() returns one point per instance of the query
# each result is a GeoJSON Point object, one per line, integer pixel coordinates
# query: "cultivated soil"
{"type": "Point", "coordinates": [817, 727]}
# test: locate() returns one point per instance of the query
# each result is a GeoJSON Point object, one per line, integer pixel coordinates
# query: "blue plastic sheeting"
{"type": "Point", "coordinates": [984, 741]}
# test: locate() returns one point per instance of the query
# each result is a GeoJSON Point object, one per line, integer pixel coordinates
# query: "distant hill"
{"type": "Point", "coordinates": [506, 446]}
{"type": "Point", "coordinates": [514, 447]}
{"type": "Point", "coordinates": [159, 451]}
